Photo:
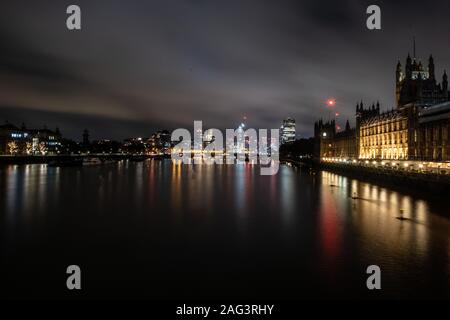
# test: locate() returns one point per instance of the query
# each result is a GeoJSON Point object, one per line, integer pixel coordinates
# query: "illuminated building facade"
{"type": "Point", "coordinates": [45, 141]}
{"type": "Point", "coordinates": [159, 143]}
{"type": "Point", "coordinates": [417, 129]}
{"type": "Point", "coordinates": [287, 131]}
{"type": "Point", "coordinates": [23, 141]}
{"type": "Point", "coordinates": [13, 140]}
{"type": "Point", "coordinates": [382, 135]}
{"type": "Point", "coordinates": [331, 143]}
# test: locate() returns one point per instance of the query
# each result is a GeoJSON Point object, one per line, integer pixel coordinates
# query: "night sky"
{"type": "Point", "coordinates": [137, 66]}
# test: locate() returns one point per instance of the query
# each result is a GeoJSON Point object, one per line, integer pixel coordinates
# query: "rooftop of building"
{"type": "Point", "coordinates": [387, 115]}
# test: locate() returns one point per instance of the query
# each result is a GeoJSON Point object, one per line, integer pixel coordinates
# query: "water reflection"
{"type": "Point", "coordinates": [230, 218]}
{"type": "Point", "coordinates": [381, 219]}
{"type": "Point", "coordinates": [394, 220]}
{"type": "Point", "coordinates": [28, 188]}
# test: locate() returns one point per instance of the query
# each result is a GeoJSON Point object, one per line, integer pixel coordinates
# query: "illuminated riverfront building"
{"type": "Point", "coordinates": [13, 140]}
{"type": "Point", "coordinates": [334, 143]}
{"type": "Point", "coordinates": [418, 128]}
{"type": "Point", "coordinates": [23, 141]}
{"type": "Point", "coordinates": [159, 143]}
{"type": "Point", "coordinates": [381, 135]}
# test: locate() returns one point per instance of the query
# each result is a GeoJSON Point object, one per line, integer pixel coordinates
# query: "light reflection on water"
{"type": "Point", "coordinates": [318, 228]}
{"type": "Point", "coordinates": [375, 211]}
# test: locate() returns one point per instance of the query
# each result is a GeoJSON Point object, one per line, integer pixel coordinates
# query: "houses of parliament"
{"type": "Point", "coordinates": [417, 128]}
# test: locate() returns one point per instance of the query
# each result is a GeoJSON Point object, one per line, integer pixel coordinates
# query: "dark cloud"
{"type": "Point", "coordinates": [140, 65]}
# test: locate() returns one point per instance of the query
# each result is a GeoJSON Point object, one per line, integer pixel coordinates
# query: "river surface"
{"type": "Point", "coordinates": [159, 230]}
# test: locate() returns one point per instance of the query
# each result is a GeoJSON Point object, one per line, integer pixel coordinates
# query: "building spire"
{"type": "Point", "coordinates": [414, 47]}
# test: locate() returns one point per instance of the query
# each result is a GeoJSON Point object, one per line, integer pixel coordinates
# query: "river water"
{"type": "Point", "coordinates": [160, 230]}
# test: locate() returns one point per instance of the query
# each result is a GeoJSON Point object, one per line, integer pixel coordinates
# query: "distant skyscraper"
{"type": "Point", "coordinates": [287, 131]}
{"type": "Point", "coordinates": [85, 137]}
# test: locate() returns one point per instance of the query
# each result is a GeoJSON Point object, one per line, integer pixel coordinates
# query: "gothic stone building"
{"type": "Point", "coordinates": [381, 135]}
{"type": "Point", "coordinates": [330, 143]}
{"type": "Point", "coordinates": [418, 128]}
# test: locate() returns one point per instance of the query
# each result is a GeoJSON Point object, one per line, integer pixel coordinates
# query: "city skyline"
{"type": "Point", "coordinates": [236, 158]}
{"type": "Point", "coordinates": [146, 78]}
{"type": "Point", "coordinates": [417, 88]}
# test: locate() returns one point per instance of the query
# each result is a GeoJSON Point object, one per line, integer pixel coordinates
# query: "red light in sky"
{"type": "Point", "coordinates": [337, 114]}
{"type": "Point", "coordinates": [331, 102]}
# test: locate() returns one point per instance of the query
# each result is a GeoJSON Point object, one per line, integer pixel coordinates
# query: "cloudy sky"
{"type": "Point", "coordinates": [137, 66]}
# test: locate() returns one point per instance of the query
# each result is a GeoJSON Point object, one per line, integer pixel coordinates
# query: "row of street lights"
{"type": "Point", "coordinates": [440, 167]}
